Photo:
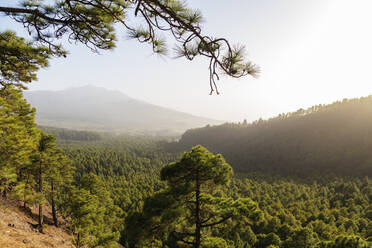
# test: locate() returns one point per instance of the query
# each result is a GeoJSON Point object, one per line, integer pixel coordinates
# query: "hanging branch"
{"type": "Point", "coordinates": [91, 22]}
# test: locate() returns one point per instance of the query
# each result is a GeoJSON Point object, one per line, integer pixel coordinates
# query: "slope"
{"type": "Point", "coordinates": [17, 230]}
{"type": "Point", "coordinates": [335, 138]}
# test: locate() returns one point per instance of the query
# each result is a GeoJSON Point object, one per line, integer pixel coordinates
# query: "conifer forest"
{"type": "Point", "coordinates": [111, 171]}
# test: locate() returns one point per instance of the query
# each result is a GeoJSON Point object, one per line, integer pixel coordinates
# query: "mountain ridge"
{"type": "Point", "coordinates": [99, 109]}
{"type": "Point", "coordinates": [334, 138]}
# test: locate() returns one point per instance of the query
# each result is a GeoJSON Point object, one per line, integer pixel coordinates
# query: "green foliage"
{"type": "Point", "coordinates": [20, 59]}
{"type": "Point", "coordinates": [271, 239]}
{"type": "Point", "coordinates": [303, 237]}
{"type": "Point", "coordinates": [214, 242]}
{"type": "Point", "coordinates": [94, 218]}
{"type": "Point", "coordinates": [191, 207]}
{"type": "Point", "coordinates": [17, 136]}
{"type": "Point", "coordinates": [130, 167]}
{"type": "Point", "coordinates": [72, 135]}
{"type": "Point", "coordinates": [83, 210]}
{"type": "Point", "coordinates": [346, 242]}
{"type": "Point", "coordinates": [324, 139]}
{"type": "Point", "coordinates": [314, 211]}
{"type": "Point", "coordinates": [307, 213]}
{"type": "Point", "coordinates": [35, 171]}
{"type": "Point", "coordinates": [93, 23]}
{"type": "Point", "coordinates": [127, 167]}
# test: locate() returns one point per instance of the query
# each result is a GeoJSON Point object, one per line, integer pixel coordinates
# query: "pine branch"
{"type": "Point", "coordinates": [218, 222]}
{"type": "Point", "coordinates": [36, 13]}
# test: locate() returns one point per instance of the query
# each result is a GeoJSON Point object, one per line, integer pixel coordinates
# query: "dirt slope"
{"type": "Point", "coordinates": [18, 229]}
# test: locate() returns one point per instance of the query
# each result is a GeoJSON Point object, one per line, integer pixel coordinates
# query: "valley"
{"type": "Point", "coordinates": [185, 124]}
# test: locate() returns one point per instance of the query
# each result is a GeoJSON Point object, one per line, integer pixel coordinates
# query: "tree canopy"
{"type": "Point", "coordinates": [94, 23]}
{"type": "Point", "coordinates": [17, 135]}
{"type": "Point", "coordinates": [192, 206]}
{"type": "Point", "coordinates": [334, 138]}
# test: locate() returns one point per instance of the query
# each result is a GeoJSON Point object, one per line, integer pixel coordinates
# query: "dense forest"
{"type": "Point", "coordinates": [324, 211]}
{"type": "Point", "coordinates": [63, 134]}
{"type": "Point", "coordinates": [328, 211]}
{"type": "Point", "coordinates": [324, 139]}
{"type": "Point", "coordinates": [145, 192]}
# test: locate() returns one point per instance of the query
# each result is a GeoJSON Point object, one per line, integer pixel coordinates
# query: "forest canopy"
{"type": "Point", "coordinates": [323, 139]}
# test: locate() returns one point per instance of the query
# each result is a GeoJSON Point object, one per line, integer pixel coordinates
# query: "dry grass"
{"type": "Point", "coordinates": [17, 229]}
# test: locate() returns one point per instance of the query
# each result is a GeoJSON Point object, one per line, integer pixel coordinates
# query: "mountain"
{"type": "Point", "coordinates": [324, 139]}
{"type": "Point", "coordinates": [99, 109]}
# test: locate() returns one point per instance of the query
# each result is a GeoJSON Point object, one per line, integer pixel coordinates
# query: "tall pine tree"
{"type": "Point", "coordinates": [17, 137]}
{"type": "Point", "coordinates": [185, 214]}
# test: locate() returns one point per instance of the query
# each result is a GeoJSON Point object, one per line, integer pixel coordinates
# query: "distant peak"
{"type": "Point", "coordinates": [86, 87]}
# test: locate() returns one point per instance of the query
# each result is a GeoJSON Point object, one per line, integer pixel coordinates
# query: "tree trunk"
{"type": "Point", "coordinates": [54, 212]}
{"type": "Point", "coordinates": [78, 241]}
{"type": "Point", "coordinates": [197, 212]}
{"type": "Point", "coordinates": [41, 216]}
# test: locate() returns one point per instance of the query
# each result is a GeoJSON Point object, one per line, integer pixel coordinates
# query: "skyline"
{"type": "Point", "coordinates": [310, 53]}
{"type": "Point", "coordinates": [105, 90]}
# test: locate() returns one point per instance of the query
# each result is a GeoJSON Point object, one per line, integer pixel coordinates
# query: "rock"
{"type": "Point", "coordinates": [26, 241]}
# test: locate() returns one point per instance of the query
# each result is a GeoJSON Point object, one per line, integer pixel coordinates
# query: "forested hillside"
{"type": "Point", "coordinates": [333, 139]}
{"type": "Point", "coordinates": [63, 134]}
{"type": "Point", "coordinates": [136, 192]}
{"type": "Point", "coordinates": [130, 167]}
{"type": "Point", "coordinates": [299, 180]}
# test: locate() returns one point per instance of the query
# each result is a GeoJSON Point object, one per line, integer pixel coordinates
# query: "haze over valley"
{"type": "Point", "coordinates": [98, 109]}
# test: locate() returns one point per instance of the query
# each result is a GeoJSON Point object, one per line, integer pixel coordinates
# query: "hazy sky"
{"type": "Point", "coordinates": [310, 52]}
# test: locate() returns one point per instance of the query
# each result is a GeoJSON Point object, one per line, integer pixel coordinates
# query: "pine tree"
{"type": "Point", "coordinates": [197, 171]}
{"type": "Point", "coordinates": [17, 137]}
{"type": "Point", "coordinates": [20, 59]}
{"type": "Point", "coordinates": [44, 162]}
{"type": "Point", "coordinates": [83, 211]}
{"type": "Point", "coordinates": [93, 217]}
{"type": "Point", "coordinates": [59, 175]}
{"type": "Point", "coordinates": [92, 23]}
{"type": "Point", "coordinates": [108, 233]}
{"type": "Point", "coordinates": [192, 205]}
